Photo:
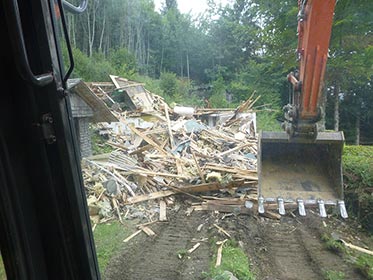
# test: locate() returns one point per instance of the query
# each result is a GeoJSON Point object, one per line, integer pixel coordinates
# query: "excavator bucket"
{"type": "Point", "coordinates": [301, 172]}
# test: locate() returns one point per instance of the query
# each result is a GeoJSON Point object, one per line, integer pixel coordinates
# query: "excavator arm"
{"type": "Point", "coordinates": [315, 20]}
{"type": "Point", "coordinates": [302, 166]}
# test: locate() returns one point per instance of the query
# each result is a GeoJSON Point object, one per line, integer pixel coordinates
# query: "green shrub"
{"type": "Point", "coordinates": [168, 83]}
{"type": "Point", "coordinates": [358, 181]}
{"type": "Point", "coordinates": [332, 244]}
{"type": "Point", "coordinates": [123, 62]}
{"type": "Point", "coordinates": [334, 275]}
{"type": "Point", "coordinates": [365, 265]}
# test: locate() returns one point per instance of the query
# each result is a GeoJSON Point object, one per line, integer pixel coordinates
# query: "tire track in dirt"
{"type": "Point", "coordinates": [157, 258]}
{"type": "Point", "coordinates": [291, 249]}
{"type": "Point", "coordinates": [288, 251]}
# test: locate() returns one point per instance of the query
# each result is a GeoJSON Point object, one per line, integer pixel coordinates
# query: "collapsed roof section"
{"type": "Point", "coordinates": [101, 112]}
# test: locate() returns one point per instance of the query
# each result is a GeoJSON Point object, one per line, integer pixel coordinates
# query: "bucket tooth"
{"type": "Point", "coordinates": [281, 206]}
{"type": "Point", "coordinates": [301, 208]}
{"type": "Point", "coordinates": [261, 205]}
{"type": "Point", "coordinates": [322, 208]}
{"type": "Point", "coordinates": [342, 209]}
{"type": "Point", "coordinates": [301, 168]}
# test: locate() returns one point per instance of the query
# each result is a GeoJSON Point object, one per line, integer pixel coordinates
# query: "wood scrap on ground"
{"type": "Point", "coordinates": [159, 153]}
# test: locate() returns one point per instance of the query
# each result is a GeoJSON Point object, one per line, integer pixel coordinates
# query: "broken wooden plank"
{"type": "Point", "coordinates": [116, 207]}
{"type": "Point", "coordinates": [148, 231]}
{"type": "Point", "coordinates": [220, 251]}
{"type": "Point", "coordinates": [271, 215]}
{"type": "Point", "coordinates": [162, 211]}
{"type": "Point", "coordinates": [132, 236]}
{"type": "Point", "coordinates": [239, 147]}
{"type": "Point", "coordinates": [146, 138]}
{"type": "Point", "coordinates": [195, 247]}
{"type": "Point", "coordinates": [150, 196]}
{"type": "Point", "coordinates": [169, 127]}
{"type": "Point", "coordinates": [200, 173]}
{"type": "Point", "coordinates": [357, 248]}
{"type": "Point", "coordinates": [120, 181]}
{"type": "Point", "coordinates": [222, 230]}
{"type": "Point", "coordinates": [187, 189]}
{"type": "Point", "coordinates": [213, 186]}
{"type": "Point", "coordinates": [225, 208]}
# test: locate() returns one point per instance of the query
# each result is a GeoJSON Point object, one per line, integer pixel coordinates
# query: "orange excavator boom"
{"type": "Point", "coordinates": [301, 165]}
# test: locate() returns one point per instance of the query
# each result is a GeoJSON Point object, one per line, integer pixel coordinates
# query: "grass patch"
{"type": "Point", "coordinates": [2, 269]}
{"type": "Point", "coordinates": [358, 179]}
{"type": "Point", "coordinates": [99, 145]}
{"type": "Point", "coordinates": [364, 264]}
{"type": "Point", "coordinates": [332, 244]}
{"type": "Point", "coordinates": [334, 275]}
{"type": "Point", "coordinates": [109, 239]}
{"type": "Point", "coordinates": [234, 260]}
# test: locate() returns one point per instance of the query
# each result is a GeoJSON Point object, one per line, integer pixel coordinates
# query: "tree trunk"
{"type": "Point", "coordinates": [357, 125]}
{"type": "Point", "coordinates": [188, 73]}
{"type": "Point", "coordinates": [102, 32]}
{"type": "Point", "coordinates": [336, 107]}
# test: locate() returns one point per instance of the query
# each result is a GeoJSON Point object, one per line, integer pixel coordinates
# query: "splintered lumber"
{"type": "Point", "coordinates": [187, 189]}
{"type": "Point", "coordinates": [220, 251]}
{"type": "Point", "coordinates": [115, 204]}
{"type": "Point", "coordinates": [162, 211]}
{"type": "Point", "coordinates": [222, 230]}
{"type": "Point", "coordinates": [271, 215]}
{"type": "Point", "coordinates": [146, 138]}
{"type": "Point", "coordinates": [239, 147]}
{"type": "Point", "coordinates": [132, 236]}
{"type": "Point", "coordinates": [169, 126]}
{"type": "Point", "coordinates": [120, 181]}
{"type": "Point", "coordinates": [229, 169]}
{"type": "Point", "coordinates": [357, 248]}
{"type": "Point", "coordinates": [239, 209]}
{"type": "Point", "coordinates": [149, 196]}
{"type": "Point", "coordinates": [213, 186]}
{"type": "Point", "coordinates": [198, 167]}
{"type": "Point", "coordinates": [148, 231]}
{"type": "Point", "coordinates": [191, 250]}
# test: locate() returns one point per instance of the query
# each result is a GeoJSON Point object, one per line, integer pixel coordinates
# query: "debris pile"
{"type": "Point", "coordinates": [158, 153]}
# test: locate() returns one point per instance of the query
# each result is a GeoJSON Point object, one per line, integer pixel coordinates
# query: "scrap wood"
{"type": "Point", "coordinates": [115, 204]}
{"type": "Point", "coordinates": [146, 224]}
{"type": "Point", "coordinates": [195, 247]}
{"type": "Point", "coordinates": [271, 215]}
{"type": "Point", "coordinates": [239, 147]}
{"type": "Point", "coordinates": [146, 138]}
{"type": "Point", "coordinates": [224, 200]}
{"type": "Point", "coordinates": [357, 248]}
{"type": "Point", "coordinates": [222, 230]}
{"type": "Point", "coordinates": [239, 209]}
{"type": "Point", "coordinates": [169, 126]}
{"type": "Point", "coordinates": [162, 211]}
{"type": "Point", "coordinates": [186, 189]}
{"type": "Point", "coordinates": [198, 167]}
{"type": "Point", "coordinates": [213, 186]}
{"type": "Point", "coordinates": [230, 169]}
{"type": "Point", "coordinates": [149, 196]}
{"type": "Point", "coordinates": [120, 181]}
{"type": "Point", "coordinates": [220, 251]}
{"type": "Point", "coordinates": [148, 231]}
{"type": "Point", "coordinates": [132, 236]}
{"type": "Point", "coordinates": [140, 150]}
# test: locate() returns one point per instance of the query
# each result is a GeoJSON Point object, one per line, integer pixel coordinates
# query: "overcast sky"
{"type": "Point", "coordinates": [195, 6]}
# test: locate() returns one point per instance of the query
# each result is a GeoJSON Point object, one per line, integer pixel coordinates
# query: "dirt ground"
{"type": "Point", "coordinates": [287, 249]}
